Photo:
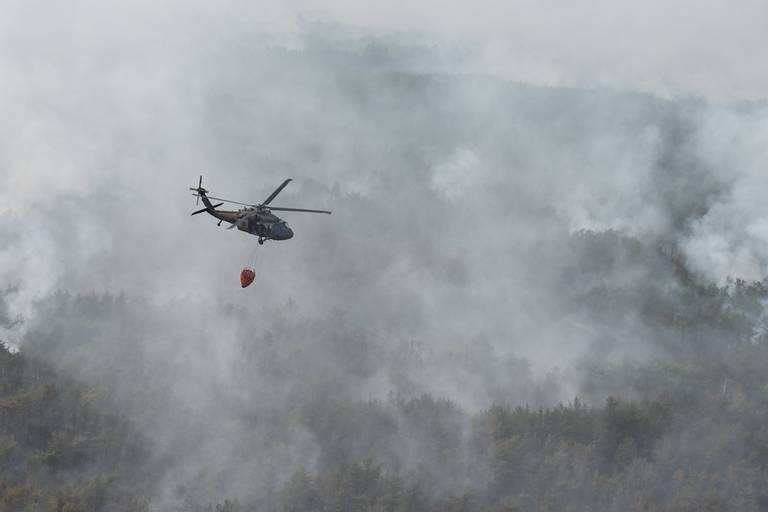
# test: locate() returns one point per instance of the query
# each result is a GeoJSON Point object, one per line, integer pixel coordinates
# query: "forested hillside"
{"type": "Point", "coordinates": [114, 403]}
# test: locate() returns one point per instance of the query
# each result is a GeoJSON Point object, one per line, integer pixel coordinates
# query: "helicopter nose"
{"type": "Point", "coordinates": [283, 232]}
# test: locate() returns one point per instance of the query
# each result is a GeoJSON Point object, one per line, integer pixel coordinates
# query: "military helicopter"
{"type": "Point", "coordinates": [256, 219]}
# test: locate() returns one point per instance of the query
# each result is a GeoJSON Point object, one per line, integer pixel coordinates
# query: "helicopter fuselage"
{"type": "Point", "coordinates": [263, 223]}
{"type": "Point", "coordinates": [259, 222]}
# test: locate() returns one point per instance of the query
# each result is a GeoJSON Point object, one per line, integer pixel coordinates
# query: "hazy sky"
{"type": "Point", "coordinates": [704, 48]}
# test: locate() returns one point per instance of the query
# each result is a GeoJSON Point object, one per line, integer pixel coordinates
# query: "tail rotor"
{"type": "Point", "coordinates": [199, 190]}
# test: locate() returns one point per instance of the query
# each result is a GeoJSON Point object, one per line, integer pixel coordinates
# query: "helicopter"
{"type": "Point", "coordinates": [256, 219]}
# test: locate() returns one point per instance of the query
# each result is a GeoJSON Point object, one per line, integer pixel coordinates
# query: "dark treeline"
{"type": "Point", "coordinates": [117, 404]}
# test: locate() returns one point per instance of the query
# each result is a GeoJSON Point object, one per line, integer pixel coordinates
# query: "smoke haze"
{"type": "Point", "coordinates": [461, 154]}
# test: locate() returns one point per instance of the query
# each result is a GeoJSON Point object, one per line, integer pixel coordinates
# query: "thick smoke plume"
{"type": "Point", "coordinates": [463, 259]}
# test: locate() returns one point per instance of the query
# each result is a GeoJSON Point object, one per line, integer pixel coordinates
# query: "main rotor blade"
{"type": "Point", "coordinates": [298, 210]}
{"type": "Point", "coordinates": [229, 201]}
{"type": "Point", "coordinates": [277, 191]}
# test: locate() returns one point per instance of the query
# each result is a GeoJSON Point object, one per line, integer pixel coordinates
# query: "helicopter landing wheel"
{"type": "Point", "coordinates": [261, 241]}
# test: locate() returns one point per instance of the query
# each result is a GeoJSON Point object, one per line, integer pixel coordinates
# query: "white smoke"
{"type": "Point", "coordinates": [731, 239]}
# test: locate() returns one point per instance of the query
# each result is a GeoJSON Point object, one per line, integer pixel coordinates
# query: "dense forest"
{"type": "Point", "coordinates": [113, 403]}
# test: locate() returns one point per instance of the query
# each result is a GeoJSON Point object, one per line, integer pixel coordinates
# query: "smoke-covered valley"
{"type": "Point", "coordinates": [502, 258]}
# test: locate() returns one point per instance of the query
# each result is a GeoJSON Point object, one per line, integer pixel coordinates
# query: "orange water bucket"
{"type": "Point", "coordinates": [247, 276]}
